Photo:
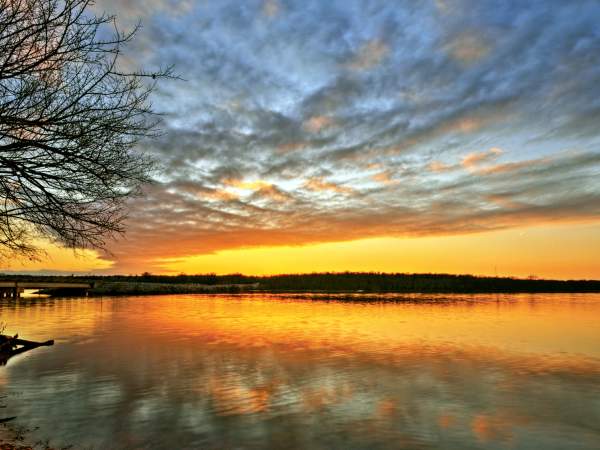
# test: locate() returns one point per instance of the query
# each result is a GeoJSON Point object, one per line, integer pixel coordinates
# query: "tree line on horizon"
{"type": "Point", "coordinates": [347, 282]}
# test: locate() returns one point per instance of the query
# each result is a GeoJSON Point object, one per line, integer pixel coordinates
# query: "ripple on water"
{"type": "Point", "coordinates": [251, 371]}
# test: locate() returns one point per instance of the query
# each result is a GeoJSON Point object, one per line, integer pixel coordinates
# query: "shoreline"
{"type": "Point", "coordinates": [353, 283]}
{"type": "Point", "coordinates": [151, 289]}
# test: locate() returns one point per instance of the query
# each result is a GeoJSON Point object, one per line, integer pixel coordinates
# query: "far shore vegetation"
{"type": "Point", "coordinates": [330, 282]}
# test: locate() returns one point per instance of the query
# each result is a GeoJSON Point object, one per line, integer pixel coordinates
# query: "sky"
{"type": "Point", "coordinates": [457, 136]}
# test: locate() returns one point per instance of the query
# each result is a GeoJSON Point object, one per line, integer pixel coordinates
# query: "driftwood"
{"type": "Point", "coordinates": [12, 345]}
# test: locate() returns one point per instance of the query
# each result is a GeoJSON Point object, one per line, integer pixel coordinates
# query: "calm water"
{"type": "Point", "coordinates": [184, 372]}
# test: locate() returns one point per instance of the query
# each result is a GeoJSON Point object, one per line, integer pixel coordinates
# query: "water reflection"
{"type": "Point", "coordinates": [257, 372]}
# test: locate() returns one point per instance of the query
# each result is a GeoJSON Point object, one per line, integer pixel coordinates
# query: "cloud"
{"type": "Point", "coordinates": [271, 8]}
{"type": "Point", "coordinates": [437, 166]}
{"type": "Point", "coordinates": [291, 146]}
{"type": "Point", "coordinates": [385, 177]}
{"type": "Point", "coordinates": [369, 55]}
{"type": "Point", "coordinates": [468, 48]}
{"type": "Point", "coordinates": [473, 160]}
{"type": "Point", "coordinates": [311, 121]}
{"type": "Point", "coordinates": [504, 200]}
{"type": "Point", "coordinates": [317, 123]}
{"type": "Point", "coordinates": [250, 185]}
{"type": "Point", "coordinates": [132, 11]}
{"type": "Point", "coordinates": [506, 167]}
{"type": "Point", "coordinates": [177, 224]}
{"type": "Point", "coordinates": [272, 193]}
{"type": "Point", "coordinates": [317, 184]}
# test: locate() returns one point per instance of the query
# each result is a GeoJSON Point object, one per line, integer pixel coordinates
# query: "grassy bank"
{"type": "Point", "coordinates": [102, 288]}
{"type": "Point", "coordinates": [145, 288]}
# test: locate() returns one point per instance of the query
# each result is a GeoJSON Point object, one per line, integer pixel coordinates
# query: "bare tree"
{"type": "Point", "coordinates": [69, 121]}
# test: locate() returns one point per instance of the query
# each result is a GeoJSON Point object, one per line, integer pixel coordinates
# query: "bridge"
{"type": "Point", "coordinates": [13, 289]}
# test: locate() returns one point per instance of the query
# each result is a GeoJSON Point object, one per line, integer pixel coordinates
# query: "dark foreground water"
{"type": "Point", "coordinates": [185, 372]}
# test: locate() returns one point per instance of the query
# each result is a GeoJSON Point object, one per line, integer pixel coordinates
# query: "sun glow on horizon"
{"type": "Point", "coordinates": [53, 258]}
{"type": "Point", "coordinates": [563, 252]}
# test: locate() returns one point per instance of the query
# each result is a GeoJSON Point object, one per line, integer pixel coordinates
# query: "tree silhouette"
{"type": "Point", "coordinates": [69, 120]}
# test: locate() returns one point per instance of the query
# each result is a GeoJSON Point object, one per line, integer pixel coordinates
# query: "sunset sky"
{"type": "Point", "coordinates": [458, 136]}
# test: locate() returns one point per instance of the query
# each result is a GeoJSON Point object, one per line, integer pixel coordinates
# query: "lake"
{"type": "Point", "coordinates": [288, 371]}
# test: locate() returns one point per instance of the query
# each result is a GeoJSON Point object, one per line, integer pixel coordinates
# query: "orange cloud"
{"type": "Point", "coordinates": [317, 123]}
{"type": "Point", "coordinates": [468, 124]}
{"type": "Point", "coordinates": [271, 8]}
{"type": "Point", "coordinates": [474, 122]}
{"type": "Point", "coordinates": [475, 162]}
{"type": "Point", "coordinates": [369, 55]}
{"type": "Point", "coordinates": [219, 195]}
{"type": "Point", "coordinates": [384, 177]}
{"type": "Point", "coordinates": [503, 200]}
{"type": "Point", "coordinates": [465, 124]}
{"type": "Point", "coordinates": [318, 184]}
{"type": "Point", "coordinates": [291, 146]}
{"type": "Point", "coordinates": [472, 160]}
{"type": "Point", "coordinates": [438, 167]}
{"type": "Point", "coordinates": [261, 190]}
{"type": "Point", "coordinates": [246, 185]}
{"type": "Point", "coordinates": [506, 167]}
{"type": "Point", "coordinates": [468, 47]}
{"type": "Point", "coordinates": [272, 193]}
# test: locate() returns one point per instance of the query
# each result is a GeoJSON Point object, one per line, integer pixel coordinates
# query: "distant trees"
{"type": "Point", "coordinates": [408, 283]}
{"type": "Point", "coordinates": [69, 119]}
{"type": "Point", "coordinates": [349, 282]}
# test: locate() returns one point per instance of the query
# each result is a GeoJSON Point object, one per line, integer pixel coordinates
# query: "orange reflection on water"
{"type": "Point", "coordinates": [554, 324]}
{"type": "Point", "coordinates": [496, 427]}
{"type": "Point", "coordinates": [475, 370]}
{"type": "Point", "coordinates": [446, 420]}
{"type": "Point", "coordinates": [230, 396]}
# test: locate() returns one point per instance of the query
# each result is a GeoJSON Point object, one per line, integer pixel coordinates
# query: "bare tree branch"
{"type": "Point", "coordinates": [69, 122]}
